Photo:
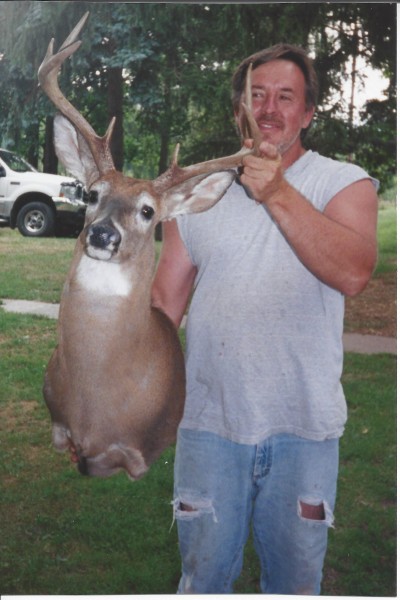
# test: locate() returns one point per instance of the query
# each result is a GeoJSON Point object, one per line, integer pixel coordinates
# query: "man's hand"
{"type": "Point", "coordinates": [263, 175]}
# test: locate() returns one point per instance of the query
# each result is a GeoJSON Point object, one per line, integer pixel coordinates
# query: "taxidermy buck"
{"type": "Point", "coordinates": [115, 384]}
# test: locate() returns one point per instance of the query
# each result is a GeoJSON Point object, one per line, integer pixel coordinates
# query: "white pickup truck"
{"type": "Point", "coordinates": [37, 203]}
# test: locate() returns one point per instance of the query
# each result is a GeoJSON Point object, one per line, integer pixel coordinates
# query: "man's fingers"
{"type": "Point", "coordinates": [269, 151]}
{"type": "Point", "coordinates": [249, 143]}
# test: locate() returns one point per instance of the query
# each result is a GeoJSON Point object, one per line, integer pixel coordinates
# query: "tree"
{"type": "Point", "coordinates": [25, 29]}
{"type": "Point", "coordinates": [353, 32]}
{"type": "Point", "coordinates": [164, 70]}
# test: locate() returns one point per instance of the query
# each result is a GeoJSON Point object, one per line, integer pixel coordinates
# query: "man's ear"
{"type": "Point", "coordinates": [196, 194]}
{"type": "Point", "coordinates": [308, 117]}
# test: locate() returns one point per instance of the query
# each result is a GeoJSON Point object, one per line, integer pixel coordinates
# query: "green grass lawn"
{"type": "Point", "coordinates": [66, 534]}
{"type": "Point", "coordinates": [387, 239]}
{"type": "Point", "coordinates": [364, 539]}
{"type": "Point", "coordinates": [63, 534]}
{"type": "Point", "coordinates": [33, 268]}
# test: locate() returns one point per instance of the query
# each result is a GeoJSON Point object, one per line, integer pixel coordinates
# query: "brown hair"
{"type": "Point", "coordinates": [295, 54]}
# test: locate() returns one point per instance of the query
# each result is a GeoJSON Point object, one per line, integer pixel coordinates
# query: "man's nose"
{"type": "Point", "coordinates": [269, 104]}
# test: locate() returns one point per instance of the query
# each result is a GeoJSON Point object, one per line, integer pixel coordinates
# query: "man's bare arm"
{"type": "Point", "coordinates": [175, 275]}
{"type": "Point", "coordinates": [339, 245]}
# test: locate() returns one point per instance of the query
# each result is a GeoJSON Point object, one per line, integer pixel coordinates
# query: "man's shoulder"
{"type": "Point", "coordinates": [312, 165]}
{"type": "Point", "coordinates": [319, 178]}
{"type": "Point", "coordinates": [314, 160]}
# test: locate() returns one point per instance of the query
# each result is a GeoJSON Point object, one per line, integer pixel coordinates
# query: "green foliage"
{"type": "Point", "coordinates": [25, 31]}
{"type": "Point", "coordinates": [371, 145]}
{"type": "Point", "coordinates": [177, 61]}
{"type": "Point", "coordinates": [375, 140]}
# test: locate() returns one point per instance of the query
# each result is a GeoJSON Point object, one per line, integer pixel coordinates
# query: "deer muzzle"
{"type": "Point", "coordinates": [102, 241]}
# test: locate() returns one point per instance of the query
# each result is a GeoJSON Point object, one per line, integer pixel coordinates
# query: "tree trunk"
{"type": "Point", "coordinates": [164, 149]}
{"type": "Point", "coordinates": [32, 143]}
{"type": "Point", "coordinates": [50, 161]}
{"type": "Point", "coordinates": [115, 109]}
{"type": "Point", "coordinates": [164, 146]}
{"type": "Point", "coordinates": [162, 166]}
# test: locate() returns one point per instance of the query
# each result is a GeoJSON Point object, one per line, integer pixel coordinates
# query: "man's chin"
{"type": "Point", "coordinates": [273, 138]}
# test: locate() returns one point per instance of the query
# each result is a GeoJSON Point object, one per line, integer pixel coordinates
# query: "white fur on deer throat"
{"type": "Point", "coordinates": [104, 278]}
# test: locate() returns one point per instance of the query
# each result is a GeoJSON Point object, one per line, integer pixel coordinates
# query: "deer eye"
{"type": "Point", "coordinates": [147, 212]}
{"type": "Point", "coordinates": [92, 197]}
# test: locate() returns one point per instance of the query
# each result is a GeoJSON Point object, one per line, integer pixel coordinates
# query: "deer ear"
{"type": "Point", "coordinates": [196, 194]}
{"type": "Point", "coordinates": [73, 152]}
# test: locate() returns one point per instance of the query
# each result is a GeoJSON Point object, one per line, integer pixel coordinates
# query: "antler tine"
{"type": "Point", "coordinates": [249, 129]}
{"type": "Point", "coordinates": [48, 80]}
{"type": "Point", "coordinates": [248, 124]}
{"type": "Point", "coordinates": [75, 32]}
{"type": "Point", "coordinates": [176, 174]}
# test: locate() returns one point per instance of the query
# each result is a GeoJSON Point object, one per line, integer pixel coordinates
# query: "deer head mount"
{"type": "Point", "coordinates": [115, 383]}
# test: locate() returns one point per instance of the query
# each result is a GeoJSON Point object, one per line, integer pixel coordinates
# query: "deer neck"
{"type": "Point", "coordinates": [102, 287]}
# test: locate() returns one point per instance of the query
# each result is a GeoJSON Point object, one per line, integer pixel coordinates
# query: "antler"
{"type": "Point", "coordinates": [248, 125]}
{"type": "Point", "coordinates": [99, 146]}
{"type": "Point", "coordinates": [248, 128]}
{"type": "Point", "coordinates": [48, 79]}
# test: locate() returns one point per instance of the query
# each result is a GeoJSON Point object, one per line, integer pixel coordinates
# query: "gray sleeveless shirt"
{"type": "Point", "coordinates": [264, 336]}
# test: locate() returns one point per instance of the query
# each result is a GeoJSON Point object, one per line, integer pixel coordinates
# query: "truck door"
{"type": "Point", "coordinates": [3, 188]}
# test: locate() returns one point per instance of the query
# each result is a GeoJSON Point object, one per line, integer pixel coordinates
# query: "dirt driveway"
{"type": "Point", "coordinates": [374, 311]}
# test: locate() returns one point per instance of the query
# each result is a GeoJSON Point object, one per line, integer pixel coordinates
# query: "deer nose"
{"type": "Point", "coordinates": [101, 236]}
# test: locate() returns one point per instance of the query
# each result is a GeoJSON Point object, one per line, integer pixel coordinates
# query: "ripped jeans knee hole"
{"type": "Point", "coordinates": [192, 508]}
{"type": "Point", "coordinates": [315, 510]}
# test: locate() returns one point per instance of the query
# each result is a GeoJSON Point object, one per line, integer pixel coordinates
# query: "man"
{"type": "Point", "coordinates": [270, 265]}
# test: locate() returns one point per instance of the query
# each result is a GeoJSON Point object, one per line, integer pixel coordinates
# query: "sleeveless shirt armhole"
{"type": "Point", "coordinates": [182, 224]}
{"type": "Point", "coordinates": [347, 178]}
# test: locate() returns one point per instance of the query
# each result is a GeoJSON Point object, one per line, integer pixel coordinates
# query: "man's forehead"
{"type": "Point", "coordinates": [282, 87]}
{"type": "Point", "coordinates": [283, 73]}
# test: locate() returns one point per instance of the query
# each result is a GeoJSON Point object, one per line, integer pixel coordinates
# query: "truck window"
{"type": "Point", "coordinates": [15, 162]}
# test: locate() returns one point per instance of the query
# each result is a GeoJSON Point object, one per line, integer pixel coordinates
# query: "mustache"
{"type": "Point", "coordinates": [265, 120]}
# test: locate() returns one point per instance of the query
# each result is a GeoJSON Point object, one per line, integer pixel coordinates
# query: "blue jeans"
{"type": "Point", "coordinates": [286, 486]}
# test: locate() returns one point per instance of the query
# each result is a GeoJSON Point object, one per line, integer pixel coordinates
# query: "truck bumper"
{"type": "Point", "coordinates": [64, 204]}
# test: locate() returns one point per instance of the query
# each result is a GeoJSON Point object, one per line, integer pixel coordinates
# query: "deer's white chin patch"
{"type": "Point", "coordinates": [105, 278]}
{"type": "Point", "coordinates": [98, 253]}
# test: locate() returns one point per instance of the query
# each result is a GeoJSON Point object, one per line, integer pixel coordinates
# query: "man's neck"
{"type": "Point", "coordinates": [292, 155]}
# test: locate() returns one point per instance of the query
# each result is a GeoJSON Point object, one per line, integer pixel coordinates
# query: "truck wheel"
{"type": "Point", "coordinates": [36, 219]}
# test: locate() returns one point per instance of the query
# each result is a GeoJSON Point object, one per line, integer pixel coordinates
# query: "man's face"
{"type": "Point", "coordinates": [278, 103]}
